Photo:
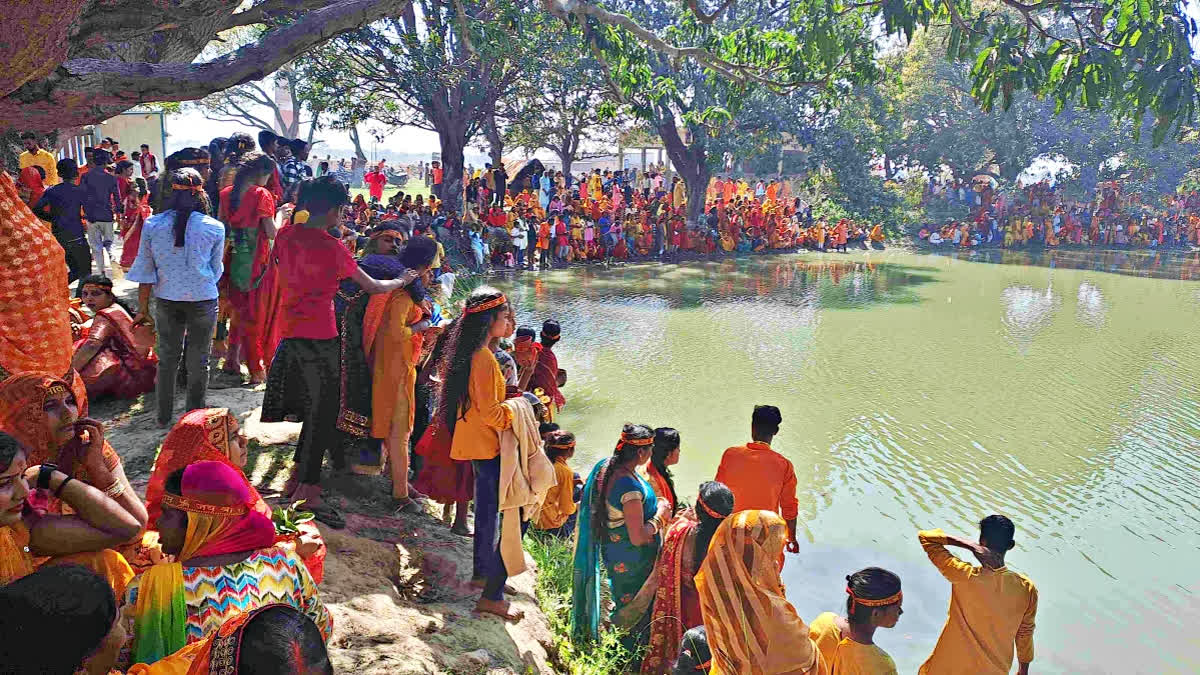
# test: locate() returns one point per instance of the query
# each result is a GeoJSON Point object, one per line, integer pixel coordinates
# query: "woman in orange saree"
{"type": "Point", "coordinates": [113, 356]}
{"type": "Point", "coordinates": [213, 435]}
{"type": "Point", "coordinates": [676, 602]}
{"type": "Point", "coordinates": [47, 417]}
{"type": "Point", "coordinates": [752, 628]}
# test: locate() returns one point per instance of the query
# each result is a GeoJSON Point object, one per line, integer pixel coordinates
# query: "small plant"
{"type": "Point", "coordinates": [289, 519]}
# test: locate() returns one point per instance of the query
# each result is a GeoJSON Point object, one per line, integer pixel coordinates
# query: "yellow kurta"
{"type": "Point", "coordinates": [43, 159]}
{"type": "Point", "coordinates": [477, 433]}
{"type": "Point", "coordinates": [990, 612]}
{"type": "Point", "coordinates": [394, 374]}
{"type": "Point", "coordinates": [845, 656]}
{"type": "Point", "coordinates": [560, 500]}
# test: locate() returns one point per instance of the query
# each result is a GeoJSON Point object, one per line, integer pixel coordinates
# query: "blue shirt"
{"type": "Point", "coordinates": [188, 273]}
{"type": "Point", "coordinates": [64, 201]}
{"type": "Point", "coordinates": [102, 194]}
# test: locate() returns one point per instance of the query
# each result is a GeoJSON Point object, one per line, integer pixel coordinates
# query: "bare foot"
{"type": "Point", "coordinates": [501, 608]}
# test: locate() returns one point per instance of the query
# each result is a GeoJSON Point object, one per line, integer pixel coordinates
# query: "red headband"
{"type": "Point", "coordinates": [485, 306]}
{"type": "Point", "coordinates": [193, 506]}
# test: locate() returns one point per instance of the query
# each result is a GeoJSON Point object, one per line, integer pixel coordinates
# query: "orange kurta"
{"type": "Point", "coordinates": [759, 478]}
{"type": "Point", "coordinates": [477, 433]}
{"type": "Point", "coordinates": [991, 611]}
{"type": "Point", "coordinates": [393, 355]}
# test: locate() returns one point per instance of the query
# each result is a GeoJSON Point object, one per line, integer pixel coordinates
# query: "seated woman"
{"type": "Point", "coordinates": [558, 510]}
{"type": "Point", "coordinates": [29, 538]}
{"type": "Point", "coordinates": [227, 563]}
{"type": "Point", "coordinates": [43, 414]}
{"type": "Point", "coordinates": [751, 625]}
{"type": "Point", "coordinates": [620, 526]}
{"type": "Point", "coordinates": [677, 604]}
{"type": "Point", "coordinates": [694, 654]}
{"type": "Point", "coordinates": [270, 639]}
{"type": "Point", "coordinates": [60, 621]}
{"type": "Point", "coordinates": [212, 435]}
{"type": "Point", "coordinates": [848, 643]}
{"type": "Point", "coordinates": [113, 356]}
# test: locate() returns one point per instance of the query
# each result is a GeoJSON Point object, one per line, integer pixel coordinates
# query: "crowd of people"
{"type": "Point", "coordinates": [246, 262]}
{"type": "Point", "coordinates": [1039, 215]}
{"type": "Point", "coordinates": [552, 219]}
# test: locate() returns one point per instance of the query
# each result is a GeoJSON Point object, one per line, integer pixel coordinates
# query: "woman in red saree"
{"type": "Point", "coordinates": [676, 602]}
{"type": "Point", "coordinates": [137, 210]}
{"type": "Point", "coordinates": [212, 435]}
{"type": "Point", "coordinates": [31, 185]}
{"type": "Point", "coordinates": [248, 208]}
{"type": "Point", "coordinates": [113, 356]}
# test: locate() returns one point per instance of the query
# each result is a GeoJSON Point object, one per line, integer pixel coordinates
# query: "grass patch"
{"type": "Point", "coordinates": [555, 570]}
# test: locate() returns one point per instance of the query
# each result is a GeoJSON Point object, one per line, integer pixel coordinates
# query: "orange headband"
{"type": "Point", "coordinates": [563, 446]}
{"type": "Point", "coordinates": [881, 602]}
{"type": "Point", "coordinates": [193, 506]}
{"type": "Point", "coordinates": [485, 306]}
{"type": "Point", "coordinates": [709, 510]}
{"type": "Point", "coordinates": [192, 162]}
{"type": "Point", "coordinates": [55, 389]}
{"type": "Point", "coordinates": [185, 186]}
{"type": "Point", "coordinates": [625, 440]}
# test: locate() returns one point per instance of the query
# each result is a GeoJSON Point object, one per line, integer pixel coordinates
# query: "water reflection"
{"type": "Point", "coordinates": [1172, 264]}
{"type": "Point", "coordinates": [922, 391]}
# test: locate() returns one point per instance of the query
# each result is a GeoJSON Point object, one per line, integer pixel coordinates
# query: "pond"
{"type": "Point", "coordinates": [925, 391]}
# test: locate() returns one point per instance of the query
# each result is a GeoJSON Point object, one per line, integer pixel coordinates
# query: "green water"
{"type": "Point", "coordinates": [926, 391]}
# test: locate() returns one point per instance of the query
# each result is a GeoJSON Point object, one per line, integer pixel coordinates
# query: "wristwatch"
{"type": "Point", "coordinates": [44, 473]}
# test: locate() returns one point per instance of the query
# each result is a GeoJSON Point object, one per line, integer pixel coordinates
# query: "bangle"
{"type": "Point", "coordinates": [116, 489]}
{"type": "Point", "coordinates": [62, 485]}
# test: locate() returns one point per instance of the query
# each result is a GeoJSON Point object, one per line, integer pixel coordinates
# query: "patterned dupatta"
{"type": "Point", "coordinates": [668, 621]}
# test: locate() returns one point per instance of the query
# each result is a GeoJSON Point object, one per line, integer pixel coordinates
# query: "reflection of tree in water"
{"type": "Point", "coordinates": [1027, 311]}
{"type": "Point", "coordinates": [823, 284]}
{"type": "Point", "coordinates": [1091, 307]}
{"type": "Point", "coordinates": [1174, 264]}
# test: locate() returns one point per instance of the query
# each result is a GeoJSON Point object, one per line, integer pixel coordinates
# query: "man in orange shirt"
{"type": "Point", "coordinates": [759, 477]}
{"type": "Point", "coordinates": [992, 608]}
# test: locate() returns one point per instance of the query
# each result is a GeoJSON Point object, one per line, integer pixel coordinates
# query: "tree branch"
{"type": "Point", "coordinates": [264, 10]}
{"type": "Point", "coordinates": [115, 84]}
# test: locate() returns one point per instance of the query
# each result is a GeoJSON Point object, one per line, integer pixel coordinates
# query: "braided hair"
{"type": "Point", "coordinates": [622, 454]}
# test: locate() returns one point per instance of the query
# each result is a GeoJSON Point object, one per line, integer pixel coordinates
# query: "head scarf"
{"type": "Point", "coordinates": [751, 625]}
{"type": "Point", "coordinates": [22, 399]}
{"type": "Point", "coordinates": [201, 436]}
{"type": "Point", "coordinates": [35, 332]}
{"type": "Point", "coordinates": [221, 520]}
{"type": "Point", "coordinates": [31, 180]}
{"type": "Point", "coordinates": [221, 515]}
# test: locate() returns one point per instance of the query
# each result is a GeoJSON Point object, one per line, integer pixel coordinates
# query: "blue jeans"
{"type": "Point", "coordinates": [487, 561]}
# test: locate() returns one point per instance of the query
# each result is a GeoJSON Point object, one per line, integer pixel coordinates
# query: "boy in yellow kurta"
{"type": "Point", "coordinates": [992, 608]}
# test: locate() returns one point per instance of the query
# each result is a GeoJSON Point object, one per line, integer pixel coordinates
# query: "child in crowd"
{"type": "Point", "coordinates": [558, 513]}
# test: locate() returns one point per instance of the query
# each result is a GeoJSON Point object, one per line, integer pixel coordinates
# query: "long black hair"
{"type": "Point", "coordinates": [872, 583]}
{"type": "Point", "coordinates": [418, 252]}
{"type": "Point", "coordinates": [254, 164]}
{"type": "Point", "coordinates": [469, 335]}
{"type": "Point", "coordinates": [622, 454]}
{"type": "Point", "coordinates": [187, 195]}
{"type": "Point", "coordinates": [666, 441]}
{"type": "Point", "coordinates": [713, 507]}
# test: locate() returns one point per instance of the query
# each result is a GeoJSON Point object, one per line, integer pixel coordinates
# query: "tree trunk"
{"type": "Point", "coordinates": [492, 133]}
{"type": "Point", "coordinates": [454, 141]}
{"type": "Point", "coordinates": [358, 149]}
{"type": "Point", "coordinates": [689, 161]}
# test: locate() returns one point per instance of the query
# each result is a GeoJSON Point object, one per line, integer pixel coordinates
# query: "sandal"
{"type": "Point", "coordinates": [328, 515]}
